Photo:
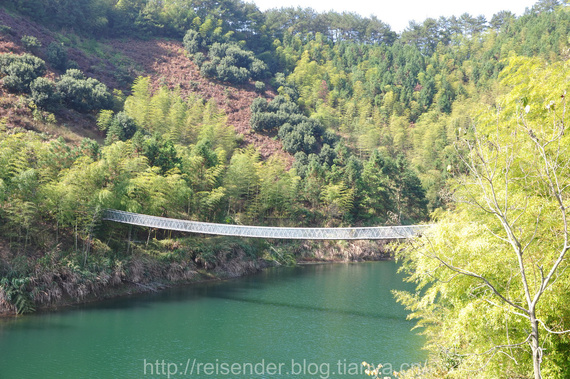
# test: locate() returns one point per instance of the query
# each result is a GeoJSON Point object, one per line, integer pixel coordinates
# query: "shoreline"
{"type": "Point", "coordinates": [240, 266]}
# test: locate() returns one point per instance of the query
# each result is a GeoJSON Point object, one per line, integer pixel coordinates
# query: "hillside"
{"type": "Point", "coordinates": [168, 65]}
{"type": "Point", "coordinates": [218, 112]}
{"type": "Point", "coordinates": [163, 60]}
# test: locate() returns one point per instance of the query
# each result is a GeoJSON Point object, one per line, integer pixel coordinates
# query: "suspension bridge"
{"type": "Point", "coordinates": [366, 233]}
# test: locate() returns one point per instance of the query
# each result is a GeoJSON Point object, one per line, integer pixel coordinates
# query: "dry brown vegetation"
{"type": "Point", "coordinates": [163, 60]}
{"type": "Point", "coordinates": [167, 65]}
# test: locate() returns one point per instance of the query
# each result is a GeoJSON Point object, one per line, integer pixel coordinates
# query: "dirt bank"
{"type": "Point", "coordinates": [57, 281]}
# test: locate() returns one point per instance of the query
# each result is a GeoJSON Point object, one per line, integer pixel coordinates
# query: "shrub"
{"type": "Point", "coordinates": [44, 94]}
{"type": "Point", "coordinates": [259, 87]}
{"type": "Point", "coordinates": [193, 41]}
{"type": "Point", "coordinates": [199, 59]}
{"type": "Point", "coordinates": [72, 64]}
{"type": "Point", "coordinates": [161, 153]}
{"type": "Point", "coordinates": [258, 69]}
{"type": "Point", "coordinates": [272, 115]}
{"type": "Point", "coordinates": [5, 29]}
{"type": "Point", "coordinates": [120, 127]}
{"type": "Point", "coordinates": [227, 72]}
{"type": "Point", "coordinates": [83, 94]}
{"type": "Point", "coordinates": [127, 124]}
{"type": "Point", "coordinates": [230, 63]}
{"type": "Point", "coordinates": [301, 137]}
{"type": "Point", "coordinates": [57, 56]}
{"type": "Point", "coordinates": [297, 132]}
{"type": "Point", "coordinates": [20, 71]}
{"type": "Point", "coordinates": [208, 70]}
{"type": "Point", "coordinates": [31, 42]}
{"type": "Point", "coordinates": [327, 155]}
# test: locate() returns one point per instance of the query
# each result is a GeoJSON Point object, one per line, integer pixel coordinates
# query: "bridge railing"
{"type": "Point", "coordinates": [369, 233]}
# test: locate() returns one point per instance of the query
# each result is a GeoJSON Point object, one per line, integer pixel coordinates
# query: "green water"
{"type": "Point", "coordinates": [315, 321]}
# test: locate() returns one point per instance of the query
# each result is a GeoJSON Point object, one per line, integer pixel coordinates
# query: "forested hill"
{"type": "Point", "coordinates": [216, 111]}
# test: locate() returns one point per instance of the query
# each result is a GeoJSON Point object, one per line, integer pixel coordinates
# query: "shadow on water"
{"type": "Point", "coordinates": [241, 290]}
{"type": "Point", "coordinates": [233, 288]}
{"type": "Point", "coordinates": [29, 323]}
{"type": "Point", "coordinates": [312, 308]}
{"type": "Point", "coordinates": [194, 291]}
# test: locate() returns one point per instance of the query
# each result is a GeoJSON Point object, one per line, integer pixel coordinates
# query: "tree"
{"type": "Point", "coordinates": [138, 104]}
{"type": "Point", "coordinates": [20, 71]}
{"type": "Point", "coordinates": [83, 94]}
{"type": "Point", "coordinates": [31, 43]}
{"type": "Point", "coordinates": [43, 93]}
{"type": "Point", "coordinates": [161, 153]}
{"type": "Point", "coordinates": [57, 56]}
{"type": "Point", "coordinates": [493, 270]}
{"type": "Point", "coordinates": [193, 41]}
{"type": "Point", "coordinates": [242, 179]}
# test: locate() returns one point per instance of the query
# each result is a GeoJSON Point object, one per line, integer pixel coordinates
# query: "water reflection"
{"type": "Point", "coordinates": [320, 312]}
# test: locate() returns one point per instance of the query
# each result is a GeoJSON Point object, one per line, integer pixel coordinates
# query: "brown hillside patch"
{"type": "Point", "coordinates": [167, 65]}
{"type": "Point", "coordinates": [164, 61]}
{"type": "Point", "coordinates": [20, 26]}
{"type": "Point", "coordinates": [14, 110]}
{"type": "Point", "coordinates": [10, 42]}
{"type": "Point", "coordinates": [72, 126]}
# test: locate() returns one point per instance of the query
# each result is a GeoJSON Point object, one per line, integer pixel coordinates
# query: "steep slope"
{"type": "Point", "coordinates": [167, 65]}
{"type": "Point", "coordinates": [116, 63]}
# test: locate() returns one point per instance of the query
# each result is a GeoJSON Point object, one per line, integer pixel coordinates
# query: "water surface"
{"type": "Point", "coordinates": [314, 321]}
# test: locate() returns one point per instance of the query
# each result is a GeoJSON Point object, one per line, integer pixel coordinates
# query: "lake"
{"type": "Point", "coordinates": [311, 321]}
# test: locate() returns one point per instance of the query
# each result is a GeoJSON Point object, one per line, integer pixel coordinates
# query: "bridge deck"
{"type": "Point", "coordinates": [371, 233]}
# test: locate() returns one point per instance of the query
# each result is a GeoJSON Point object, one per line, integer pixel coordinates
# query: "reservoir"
{"type": "Point", "coordinates": [311, 321]}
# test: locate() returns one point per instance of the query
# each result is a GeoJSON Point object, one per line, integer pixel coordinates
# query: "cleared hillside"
{"type": "Point", "coordinates": [116, 62]}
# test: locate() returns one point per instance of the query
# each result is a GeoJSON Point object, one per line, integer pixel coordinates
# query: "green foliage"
{"type": "Point", "coordinates": [119, 127]}
{"type": "Point", "coordinates": [19, 71]}
{"type": "Point", "coordinates": [485, 273]}
{"type": "Point", "coordinates": [31, 42]}
{"type": "Point", "coordinates": [177, 120]}
{"type": "Point", "coordinates": [57, 56]}
{"type": "Point", "coordinates": [297, 131]}
{"type": "Point", "coordinates": [267, 116]}
{"type": "Point", "coordinates": [301, 137]}
{"type": "Point", "coordinates": [227, 62]}
{"type": "Point", "coordinates": [24, 74]}
{"type": "Point", "coordinates": [193, 41]}
{"type": "Point", "coordinates": [199, 59]}
{"type": "Point", "coordinates": [5, 29]}
{"type": "Point", "coordinates": [81, 93]}
{"type": "Point", "coordinates": [391, 189]}
{"type": "Point", "coordinates": [338, 198]}
{"type": "Point", "coordinates": [259, 87]}
{"type": "Point", "coordinates": [334, 26]}
{"type": "Point", "coordinates": [16, 294]}
{"type": "Point", "coordinates": [43, 94]}
{"type": "Point", "coordinates": [242, 180]}
{"type": "Point", "coordinates": [137, 105]}
{"type": "Point", "coordinates": [278, 190]}
{"type": "Point", "coordinates": [161, 153]}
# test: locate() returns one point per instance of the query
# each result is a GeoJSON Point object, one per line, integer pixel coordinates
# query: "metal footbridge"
{"type": "Point", "coordinates": [369, 233]}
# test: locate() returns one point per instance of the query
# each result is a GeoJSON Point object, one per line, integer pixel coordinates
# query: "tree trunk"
{"type": "Point", "coordinates": [534, 344]}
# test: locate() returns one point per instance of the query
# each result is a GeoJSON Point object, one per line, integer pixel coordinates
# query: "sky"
{"type": "Point", "coordinates": [398, 13]}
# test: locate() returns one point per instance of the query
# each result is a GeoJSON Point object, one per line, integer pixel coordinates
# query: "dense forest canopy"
{"type": "Point", "coordinates": [368, 121]}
